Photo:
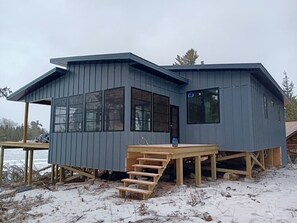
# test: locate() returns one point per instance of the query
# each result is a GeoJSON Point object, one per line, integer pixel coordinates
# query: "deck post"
{"type": "Point", "coordinates": [179, 171]}
{"type": "Point", "coordinates": [25, 135]}
{"type": "Point", "coordinates": [53, 173]}
{"type": "Point", "coordinates": [1, 163]}
{"type": "Point", "coordinates": [31, 151]}
{"type": "Point", "coordinates": [262, 158]}
{"type": "Point", "coordinates": [62, 174]}
{"type": "Point", "coordinates": [213, 167]}
{"type": "Point", "coordinates": [248, 165]}
{"type": "Point", "coordinates": [197, 170]}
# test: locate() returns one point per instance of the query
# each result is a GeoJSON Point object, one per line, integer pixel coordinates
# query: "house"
{"type": "Point", "coordinates": [291, 134]}
{"type": "Point", "coordinates": [102, 103]}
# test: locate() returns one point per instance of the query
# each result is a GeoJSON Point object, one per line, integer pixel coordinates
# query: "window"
{"type": "Point", "coordinates": [75, 113]}
{"type": "Point", "coordinates": [114, 109]}
{"type": "Point", "coordinates": [141, 110]}
{"type": "Point", "coordinates": [60, 114]}
{"type": "Point", "coordinates": [93, 112]}
{"type": "Point", "coordinates": [279, 114]}
{"type": "Point", "coordinates": [203, 106]}
{"type": "Point", "coordinates": [160, 113]}
{"type": "Point", "coordinates": [265, 106]}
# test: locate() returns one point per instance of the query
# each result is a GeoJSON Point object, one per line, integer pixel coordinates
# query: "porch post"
{"type": "Point", "coordinates": [25, 135]}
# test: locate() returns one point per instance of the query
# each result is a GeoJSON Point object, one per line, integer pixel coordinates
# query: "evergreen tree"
{"type": "Point", "coordinates": [4, 92]}
{"type": "Point", "coordinates": [188, 59]}
{"type": "Point", "coordinates": [291, 108]}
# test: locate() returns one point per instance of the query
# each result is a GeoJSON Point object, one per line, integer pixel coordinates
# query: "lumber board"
{"type": "Point", "coordinates": [135, 181]}
{"type": "Point", "coordinates": [134, 190]}
{"type": "Point", "coordinates": [79, 172]}
{"type": "Point", "coordinates": [229, 157]}
{"type": "Point", "coordinates": [136, 173]}
{"type": "Point", "coordinates": [240, 172]}
{"type": "Point", "coordinates": [147, 166]}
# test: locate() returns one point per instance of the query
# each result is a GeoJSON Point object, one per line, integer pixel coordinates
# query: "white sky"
{"type": "Point", "coordinates": [32, 32]}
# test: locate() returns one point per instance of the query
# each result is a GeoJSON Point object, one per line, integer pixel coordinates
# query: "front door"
{"type": "Point", "coordinates": [174, 122]}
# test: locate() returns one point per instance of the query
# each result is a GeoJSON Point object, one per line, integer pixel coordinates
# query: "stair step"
{"type": "Point", "coordinates": [135, 190]}
{"type": "Point", "coordinates": [136, 173]}
{"type": "Point", "coordinates": [147, 166]}
{"type": "Point", "coordinates": [152, 159]}
{"type": "Point", "coordinates": [156, 153]}
{"type": "Point", "coordinates": [134, 181]}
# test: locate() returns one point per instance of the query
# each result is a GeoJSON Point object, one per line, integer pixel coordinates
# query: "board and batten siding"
{"type": "Point", "coordinates": [233, 133]}
{"type": "Point", "coordinates": [267, 132]}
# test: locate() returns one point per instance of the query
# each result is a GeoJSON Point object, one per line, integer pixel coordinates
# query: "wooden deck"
{"type": "Point", "coordinates": [29, 149]}
{"type": "Point", "coordinates": [141, 159]}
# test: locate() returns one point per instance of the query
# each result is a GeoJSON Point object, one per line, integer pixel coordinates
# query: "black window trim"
{"type": "Point", "coordinates": [54, 115]}
{"type": "Point", "coordinates": [168, 117]}
{"type": "Point", "coordinates": [85, 111]}
{"type": "Point", "coordinates": [219, 110]}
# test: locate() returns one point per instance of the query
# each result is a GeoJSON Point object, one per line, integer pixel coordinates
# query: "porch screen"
{"type": "Point", "coordinates": [114, 109]}
{"type": "Point", "coordinates": [141, 110]}
{"type": "Point", "coordinates": [93, 112]}
{"type": "Point", "coordinates": [203, 106]}
{"type": "Point", "coordinates": [75, 113]}
{"type": "Point", "coordinates": [60, 114]}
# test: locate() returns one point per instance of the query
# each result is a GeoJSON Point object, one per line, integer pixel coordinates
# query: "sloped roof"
{"type": "Point", "coordinates": [37, 83]}
{"type": "Point", "coordinates": [256, 69]}
{"type": "Point", "coordinates": [291, 128]}
{"type": "Point", "coordinates": [132, 59]}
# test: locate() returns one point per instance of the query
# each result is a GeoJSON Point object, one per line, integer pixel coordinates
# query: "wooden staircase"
{"type": "Point", "coordinates": [146, 174]}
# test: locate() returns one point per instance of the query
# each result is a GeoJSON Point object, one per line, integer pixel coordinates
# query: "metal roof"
{"type": "Point", "coordinates": [37, 83]}
{"type": "Point", "coordinates": [133, 60]}
{"type": "Point", "coordinates": [291, 128]}
{"type": "Point", "coordinates": [257, 70]}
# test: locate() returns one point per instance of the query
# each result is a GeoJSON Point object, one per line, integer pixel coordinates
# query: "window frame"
{"type": "Point", "coordinates": [100, 112]}
{"type": "Point", "coordinates": [132, 127]}
{"type": "Point", "coordinates": [153, 112]}
{"type": "Point", "coordinates": [82, 113]}
{"type": "Point", "coordinates": [54, 115]}
{"type": "Point", "coordinates": [104, 110]}
{"type": "Point", "coordinates": [265, 106]}
{"type": "Point", "coordinates": [219, 105]}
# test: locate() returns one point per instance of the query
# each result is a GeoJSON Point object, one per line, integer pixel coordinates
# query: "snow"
{"type": "Point", "coordinates": [271, 197]}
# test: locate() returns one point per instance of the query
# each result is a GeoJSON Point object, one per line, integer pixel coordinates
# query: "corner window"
{"type": "Point", "coordinates": [265, 103]}
{"type": "Point", "coordinates": [93, 112]}
{"type": "Point", "coordinates": [75, 113]}
{"type": "Point", "coordinates": [203, 106]}
{"type": "Point", "coordinates": [160, 113]}
{"type": "Point", "coordinates": [60, 114]}
{"type": "Point", "coordinates": [114, 109]}
{"type": "Point", "coordinates": [141, 110]}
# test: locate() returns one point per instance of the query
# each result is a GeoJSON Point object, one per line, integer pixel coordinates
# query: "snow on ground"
{"type": "Point", "coordinates": [271, 197]}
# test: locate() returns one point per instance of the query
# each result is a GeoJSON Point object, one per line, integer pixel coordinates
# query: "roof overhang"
{"type": "Point", "coordinates": [130, 58]}
{"type": "Point", "coordinates": [37, 83]}
{"type": "Point", "coordinates": [256, 69]}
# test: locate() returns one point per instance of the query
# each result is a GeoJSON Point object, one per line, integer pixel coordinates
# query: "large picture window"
{"type": "Point", "coordinates": [114, 109]}
{"type": "Point", "coordinates": [141, 110]}
{"type": "Point", "coordinates": [160, 113]}
{"type": "Point", "coordinates": [75, 113]}
{"type": "Point", "coordinates": [60, 114]}
{"type": "Point", "coordinates": [203, 106]}
{"type": "Point", "coordinates": [93, 112]}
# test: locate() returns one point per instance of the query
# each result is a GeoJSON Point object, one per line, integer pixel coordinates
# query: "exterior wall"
{"type": "Point", "coordinates": [270, 132]}
{"type": "Point", "coordinates": [102, 150]}
{"type": "Point", "coordinates": [233, 131]}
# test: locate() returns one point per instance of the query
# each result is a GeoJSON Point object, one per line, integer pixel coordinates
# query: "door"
{"type": "Point", "coordinates": [174, 122]}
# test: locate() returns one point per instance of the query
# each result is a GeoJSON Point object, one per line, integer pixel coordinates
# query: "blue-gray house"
{"type": "Point", "coordinates": [102, 103]}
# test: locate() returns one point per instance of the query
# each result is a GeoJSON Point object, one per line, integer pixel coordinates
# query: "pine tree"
{"type": "Point", "coordinates": [188, 59]}
{"type": "Point", "coordinates": [4, 92]}
{"type": "Point", "coordinates": [291, 108]}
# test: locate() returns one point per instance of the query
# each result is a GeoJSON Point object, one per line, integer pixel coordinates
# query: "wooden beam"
{"type": "Point", "coordinates": [241, 172]}
{"type": "Point", "coordinates": [31, 151]}
{"type": "Point", "coordinates": [213, 167]}
{"type": "Point", "coordinates": [248, 162]}
{"type": "Point", "coordinates": [79, 172]}
{"type": "Point", "coordinates": [1, 163]}
{"type": "Point", "coordinates": [179, 171]}
{"type": "Point", "coordinates": [53, 173]}
{"type": "Point", "coordinates": [233, 156]}
{"type": "Point", "coordinates": [262, 158]}
{"type": "Point", "coordinates": [62, 174]}
{"type": "Point", "coordinates": [197, 170]}
{"type": "Point", "coordinates": [255, 159]}
{"type": "Point", "coordinates": [25, 129]}
{"type": "Point", "coordinates": [26, 166]}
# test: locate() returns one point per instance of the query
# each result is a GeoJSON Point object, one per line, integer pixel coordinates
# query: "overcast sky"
{"type": "Point", "coordinates": [32, 32]}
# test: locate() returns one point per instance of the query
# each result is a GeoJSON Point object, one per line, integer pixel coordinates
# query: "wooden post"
{"type": "Point", "coordinates": [197, 170]}
{"type": "Point", "coordinates": [179, 171]}
{"type": "Point", "coordinates": [25, 135]}
{"type": "Point", "coordinates": [62, 175]}
{"type": "Point", "coordinates": [262, 158]}
{"type": "Point", "coordinates": [248, 165]}
{"type": "Point", "coordinates": [1, 163]}
{"type": "Point", "coordinates": [213, 166]}
{"type": "Point", "coordinates": [53, 173]}
{"type": "Point", "coordinates": [56, 171]}
{"type": "Point", "coordinates": [30, 167]}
